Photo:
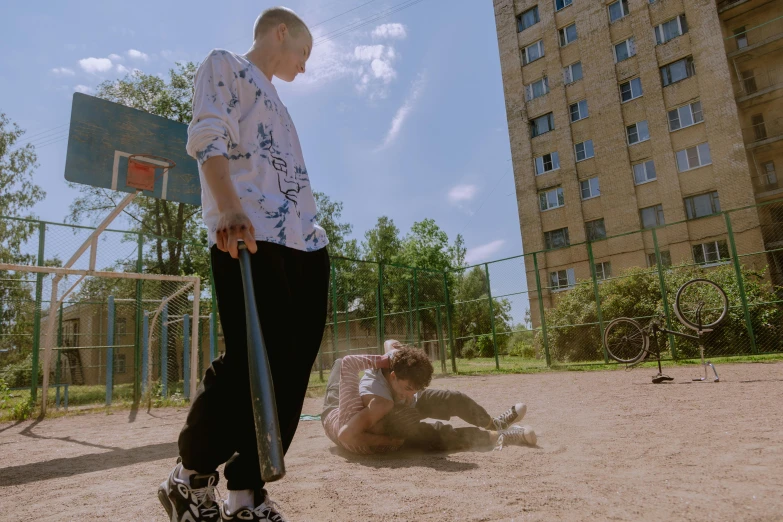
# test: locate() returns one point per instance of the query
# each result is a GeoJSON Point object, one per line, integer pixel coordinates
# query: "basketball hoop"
{"type": "Point", "coordinates": [141, 170]}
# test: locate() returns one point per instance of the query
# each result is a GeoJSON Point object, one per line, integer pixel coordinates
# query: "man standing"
{"type": "Point", "coordinates": [255, 189]}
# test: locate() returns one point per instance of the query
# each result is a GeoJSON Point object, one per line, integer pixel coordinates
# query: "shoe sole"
{"type": "Point", "coordinates": [163, 496]}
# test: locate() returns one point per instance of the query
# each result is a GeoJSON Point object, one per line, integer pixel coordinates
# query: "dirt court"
{"type": "Point", "coordinates": [612, 446]}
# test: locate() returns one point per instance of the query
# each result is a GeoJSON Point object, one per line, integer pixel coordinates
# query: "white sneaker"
{"type": "Point", "coordinates": [267, 511]}
{"type": "Point", "coordinates": [516, 436]}
{"type": "Point", "coordinates": [505, 419]}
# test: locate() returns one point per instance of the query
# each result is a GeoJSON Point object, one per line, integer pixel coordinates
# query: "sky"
{"type": "Point", "coordinates": [403, 116]}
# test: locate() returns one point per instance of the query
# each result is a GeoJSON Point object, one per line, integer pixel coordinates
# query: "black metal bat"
{"type": "Point", "coordinates": [262, 391]}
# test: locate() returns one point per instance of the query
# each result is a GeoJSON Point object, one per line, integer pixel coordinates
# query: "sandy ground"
{"type": "Point", "coordinates": [612, 446]}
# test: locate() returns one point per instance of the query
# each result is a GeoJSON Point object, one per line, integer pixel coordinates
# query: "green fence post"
{"type": "Point", "coordinates": [139, 320]}
{"type": "Point", "coordinates": [382, 320]}
{"type": "Point", "coordinates": [409, 314]}
{"type": "Point", "coordinates": [492, 317]}
{"type": "Point", "coordinates": [541, 310]}
{"type": "Point", "coordinates": [110, 351]}
{"type": "Point", "coordinates": [740, 284]}
{"type": "Point", "coordinates": [441, 344]}
{"type": "Point", "coordinates": [57, 366]}
{"type": "Point", "coordinates": [37, 314]}
{"type": "Point", "coordinates": [416, 299]}
{"type": "Point", "coordinates": [378, 320]}
{"type": "Point", "coordinates": [597, 299]}
{"type": "Point", "coordinates": [347, 325]}
{"type": "Point", "coordinates": [664, 293]}
{"type": "Point", "coordinates": [448, 323]}
{"type": "Point", "coordinates": [335, 326]}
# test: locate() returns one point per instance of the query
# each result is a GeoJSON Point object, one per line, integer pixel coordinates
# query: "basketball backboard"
{"type": "Point", "coordinates": [103, 135]}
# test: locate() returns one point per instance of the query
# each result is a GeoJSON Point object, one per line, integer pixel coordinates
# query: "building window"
{"type": "Point", "coordinates": [590, 188]}
{"type": "Point", "coordinates": [562, 4]}
{"type": "Point", "coordinates": [624, 50]}
{"type": "Point", "coordinates": [584, 150]}
{"type": "Point", "coordinates": [547, 163]}
{"type": "Point", "coordinates": [527, 19]}
{"type": "Point", "coordinates": [630, 90]}
{"type": "Point", "coordinates": [556, 238]}
{"type": "Point", "coordinates": [749, 81]}
{"type": "Point", "coordinates": [694, 157]}
{"type": "Point", "coordinates": [644, 172]}
{"type": "Point", "coordinates": [618, 10]}
{"type": "Point", "coordinates": [637, 132]}
{"type": "Point", "coordinates": [537, 89]}
{"type": "Point", "coordinates": [595, 229]}
{"type": "Point", "coordinates": [741, 37]}
{"type": "Point", "coordinates": [666, 259]}
{"type": "Point", "coordinates": [769, 176]}
{"type": "Point", "coordinates": [572, 73]}
{"type": "Point", "coordinates": [685, 116]}
{"type": "Point", "coordinates": [578, 111]}
{"type": "Point", "coordinates": [759, 128]}
{"type": "Point", "coordinates": [120, 363]}
{"type": "Point", "coordinates": [542, 125]}
{"type": "Point", "coordinates": [533, 52]}
{"type": "Point", "coordinates": [671, 29]}
{"type": "Point", "coordinates": [677, 71]}
{"type": "Point", "coordinates": [652, 216]}
{"type": "Point", "coordinates": [603, 270]}
{"type": "Point", "coordinates": [711, 253]}
{"type": "Point", "coordinates": [550, 199]}
{"type": "Point", "coordinates": [562, 279]}
{"type": "Point", "coordinates": [120, 326]}
{"type": "Point", "coordinates": [70, 336]}
{"type": "Point", "coordinates": [702, 205]}
{"type": "Point", "coordinates": [567, 35]}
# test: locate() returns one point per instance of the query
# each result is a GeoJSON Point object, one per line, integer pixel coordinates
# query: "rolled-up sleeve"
{"type": "Point", "coordinates": [215, 125]}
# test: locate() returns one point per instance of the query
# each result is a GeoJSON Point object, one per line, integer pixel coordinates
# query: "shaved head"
{"type": "Point", "coordinates": [273, 17]}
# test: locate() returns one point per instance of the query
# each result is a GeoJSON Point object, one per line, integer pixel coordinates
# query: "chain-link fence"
{"type": "Point", "coordinates": [109, 333]}
{"type": "Point", "coordinates": [537, 310]}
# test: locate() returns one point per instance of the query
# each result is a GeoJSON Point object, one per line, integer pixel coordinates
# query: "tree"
{"type": "Point", "coordinates": [471, 317]}
{"type": "Point", "coordinates": [329, 214]}
{"type": "Point", "coordinates": [18, 194]}
{"type": "Point", "coordinates": [382, 243]}
{"type": "Point", "coordinates": [185, 252]}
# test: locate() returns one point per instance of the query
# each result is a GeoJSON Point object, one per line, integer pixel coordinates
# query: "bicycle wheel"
{"type": "Point", "coordinates": [625, 340]}
{"type": "Point", "coordinates": [701, 301]}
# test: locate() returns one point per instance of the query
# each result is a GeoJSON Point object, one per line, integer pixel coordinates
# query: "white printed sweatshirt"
{"type": "Point", "coordinates": [238, 114]}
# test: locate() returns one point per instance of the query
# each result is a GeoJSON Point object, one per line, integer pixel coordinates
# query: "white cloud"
{"type": "Point", "coordinates": [95, 65]}
{"type": "Point", "coordinates": [376, 70]}
{"type": "Point", "coordinates": [115, 57]}
{"type": "Point", "coordinates": [462, 193]}
{"type": "Point", "coordinates": [390, 31]}
{"type": "Point", "coordinates": [404, 111]}
{"type": "Point", "coordinates": [137, 55]}
{"type": "Point", "coordinates": [326, 63]}
{"type": "Point", "coordinates": [63, 71]}
{"type": "Point", "coordinates": [83, 89]}
{"type": "Point", "coordinates": [483, 252]}
{"type": "Point", "coordinates": [122, 69]}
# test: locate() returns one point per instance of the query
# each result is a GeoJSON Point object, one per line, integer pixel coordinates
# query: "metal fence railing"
{"type": "Point", "coordinates": [537, 310]}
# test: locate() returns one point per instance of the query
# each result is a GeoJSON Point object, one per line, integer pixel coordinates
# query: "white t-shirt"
{"type": "Point", "coordinates": [238, 114]}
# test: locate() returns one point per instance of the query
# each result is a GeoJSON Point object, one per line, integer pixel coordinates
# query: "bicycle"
{"type": "Point", "coordinates": [700, 304]}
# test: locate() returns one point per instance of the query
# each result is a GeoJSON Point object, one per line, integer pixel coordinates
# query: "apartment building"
{"type": "Point", "coordinates": [625, 115]}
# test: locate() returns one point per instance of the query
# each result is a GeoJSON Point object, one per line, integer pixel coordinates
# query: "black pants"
{"type": "Point", "coordinates": [291, 289]}
{"type": "Point", "coordinates": [406, 423]}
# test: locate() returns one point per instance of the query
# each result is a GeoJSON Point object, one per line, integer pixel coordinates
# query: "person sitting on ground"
{"type": "Point", "coordinates": [390, 404]}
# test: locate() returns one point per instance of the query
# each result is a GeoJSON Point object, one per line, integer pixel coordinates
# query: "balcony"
{"type": "Point", "coordinates": [754, 38]}
{"type": "Point", "coordinates": [763, 133]}
{"type": "Point", "coordinates": [756, 82]}
{"type": "Point", "coordinates": [747, 5]}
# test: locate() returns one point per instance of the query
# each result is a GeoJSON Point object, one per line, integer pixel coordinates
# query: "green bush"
{"type": "Point", "coordinates": [469, 349]}
{"type": "Point", "coordinates": [484, 346]}
{"type": "Point", "coordinates": [18, 374]}
{"type": "Point", "coordinates": [574, 335]}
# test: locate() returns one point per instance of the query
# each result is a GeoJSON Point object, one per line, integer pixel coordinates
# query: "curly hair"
{"type": "Point", "coordinates": [413, 365]}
